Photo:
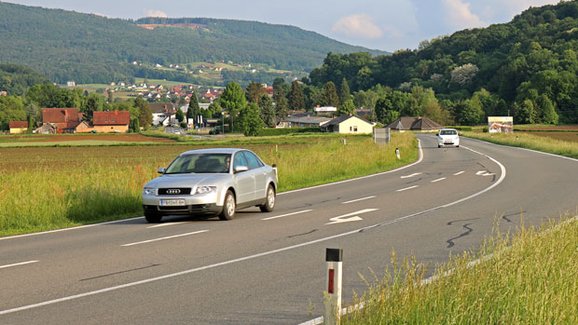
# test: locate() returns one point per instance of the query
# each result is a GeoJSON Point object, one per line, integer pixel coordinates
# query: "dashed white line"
{"type": "Point", "coordinates": [164, 238]}
{"type": "Point", "coordinates": [459, 173]}
{"type": "Point", "coordinates": [286, 215]}
{"type": "Point", "coordinates": [360, 199]}
{"type": "Point", "coordinates": [412, 175]}
{"type": "Point", "coordinates": [438, 180]}
{"type": "Point", "coordinates": [17, 264]}
{"type": "Point", "coordinates": [407, 188]}
{"type": "Point", "coordinates": [165, 224]}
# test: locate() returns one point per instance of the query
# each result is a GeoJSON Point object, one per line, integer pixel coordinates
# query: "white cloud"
{"type": "Point", "coordinates": [156, 13]}
{"type": "Point", "coordinates": [460, 15]}
{"type": "Point", "coordinates": [358, 26]}
{"type": "Point", "coordinates": [503, 11]}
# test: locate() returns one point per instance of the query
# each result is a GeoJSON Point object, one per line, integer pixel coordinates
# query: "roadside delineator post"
{"type": "Point", "coordinates": [397, 154]}
{"type": "Point", "coordinates": [333, 257]}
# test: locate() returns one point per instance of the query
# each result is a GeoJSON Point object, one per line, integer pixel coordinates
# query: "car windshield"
{"type": "Point", "coordinates": [200, 163]}
{"type": "Point", "coordinates": [448, 132]}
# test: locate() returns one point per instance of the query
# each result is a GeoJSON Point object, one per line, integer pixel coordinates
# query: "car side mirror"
{"type": "Point", "coordinates": [239, 169]}
{"type": "Point", "coordinates": [161, 170]}
{"type": "Point", "coordinates": [437, 134]}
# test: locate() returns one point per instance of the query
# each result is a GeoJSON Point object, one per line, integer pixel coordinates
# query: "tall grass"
{"type": "Point", "coordinates": [529, 279]}
{"type": "Point", "coordinates": [51, 188]}
{"type": "Point", "coordinates": [530, 141]}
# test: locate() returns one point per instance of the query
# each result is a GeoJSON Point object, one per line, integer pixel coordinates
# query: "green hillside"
{"type": "Point", "coordinates": [527, 67]}
{"type": "Point", "coordinates": [66, 45]}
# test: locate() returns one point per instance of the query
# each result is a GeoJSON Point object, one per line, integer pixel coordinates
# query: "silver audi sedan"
{"type": "Point", "coordinates": [215, 181]}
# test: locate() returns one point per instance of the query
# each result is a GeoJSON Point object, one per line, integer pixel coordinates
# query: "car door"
{"type": "Point", "coordinates": [244, 180]}
{"type": "Point", "coordinates": [256, 167]}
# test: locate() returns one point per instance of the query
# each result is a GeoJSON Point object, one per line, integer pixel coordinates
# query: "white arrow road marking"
{"type": "Point", "coordinates": [344, 218]}
{"type": "Point", "coordinates": [412, 175]}
{"type": "Point", "coordinates": [438, 180]}
{"type": "Point", "coordinates": [407, 188]}
{"type": "Point", "coordinates": [484, 173]}
{"type": "Point", "coordinates": [163, 238]}
{"type": "Point", "coordinates": [287, 215]}
{"type": "Point", "coordinates": [360, 199]}
{"type": "Point", "coordinates": [17, 264]}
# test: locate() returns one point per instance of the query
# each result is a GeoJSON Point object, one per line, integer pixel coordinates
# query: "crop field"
{"type": "Point", "coordinates": [77, 139]}
{"type": "Point", "coordinates": [55, 187]}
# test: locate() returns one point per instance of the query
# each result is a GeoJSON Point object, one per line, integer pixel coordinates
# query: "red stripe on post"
{"type": "Point", "coordinates": [331, 283]}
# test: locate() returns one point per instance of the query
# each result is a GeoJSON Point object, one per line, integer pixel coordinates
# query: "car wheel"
{"type": "Point", "coordinates": [269, 200]}
{"type": "Point", "coordinates": [229, 207]}
{"type": "Point", "coordinates": [152, 217]}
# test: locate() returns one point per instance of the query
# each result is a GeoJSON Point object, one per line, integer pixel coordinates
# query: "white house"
{"type": "Point", "coordinates": [348, 124]}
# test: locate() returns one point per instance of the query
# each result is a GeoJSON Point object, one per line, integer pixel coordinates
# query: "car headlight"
{"type": "Point", "coordinates": [204, 189]}
{"type": "Point", "coordinates": [149, 191]}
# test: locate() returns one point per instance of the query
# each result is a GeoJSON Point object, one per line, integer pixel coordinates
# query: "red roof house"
{"type": "Point", "coordinates": [115, 121]}
{"type": "Point", "coordinates": [18, 126]}
{"type": "Point", "coordinates": [65, 119]}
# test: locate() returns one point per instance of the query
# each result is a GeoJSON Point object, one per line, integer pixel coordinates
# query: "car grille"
{"type": "Point", "coordinates": [175, 191]}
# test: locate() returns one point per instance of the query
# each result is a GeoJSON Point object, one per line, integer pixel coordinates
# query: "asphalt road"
{"type": "Point", "coordinates": [269, 268]}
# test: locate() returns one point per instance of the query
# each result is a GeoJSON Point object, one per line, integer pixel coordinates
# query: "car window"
{"type": "Point", "coordinates": [448, 132]}
{"type": "Point", "coordinates": [240, 160]}
{"type": "Point", "coordinates": [252, 160]}
{"type": "Point", "coordinates": [182, 164]}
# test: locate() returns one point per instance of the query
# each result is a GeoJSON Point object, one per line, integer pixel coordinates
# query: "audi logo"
{"type": "Point", "coordinates": [173, 191]}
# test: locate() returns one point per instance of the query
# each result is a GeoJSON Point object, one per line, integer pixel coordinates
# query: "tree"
{"type": "Point", "coordinates": [547, 110]}
{"type": "Point", "coordinates": [254, 92]}
{"type": "Point", "coordinates": [267, 111]}
{"type": "Point", "coordinates": [471, 112]}
{"type": "Point", "coordinates": [194, 110]}
{"type": "Point", "coordinates": [233, 101]}
{"type": "Point", "coordinates": [296, 97]}
{"type": "Point", "coordinates": [180, 116]}
{"type": "Point", "coordinates": [145, 115]}
{"type": "Point", "coordinates": [329, 95]}
{"type": "Point", "coordinates": [250, 120]}
{"type": "Point", "coordinates": [344, 92]}
{"type": "Point", "coordinates": [11, 109]}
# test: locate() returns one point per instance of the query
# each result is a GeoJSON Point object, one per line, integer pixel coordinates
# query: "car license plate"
{"type": "Point", "coordinates": [172, 202]}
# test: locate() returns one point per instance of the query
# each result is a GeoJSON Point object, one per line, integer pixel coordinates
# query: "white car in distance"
{"type": "Point", "coordinates": [448, 137]}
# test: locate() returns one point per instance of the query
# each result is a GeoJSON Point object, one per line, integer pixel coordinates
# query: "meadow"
{"type": "Point", "coordinates": [63, 185]}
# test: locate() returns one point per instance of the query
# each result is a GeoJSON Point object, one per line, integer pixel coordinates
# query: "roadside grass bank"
{"type": "Point", "coordinates": [524, 278]}
{"type": "Point", "coordinates": [528, 141]}
{"type": "Point", "coordinates": [47, 188]}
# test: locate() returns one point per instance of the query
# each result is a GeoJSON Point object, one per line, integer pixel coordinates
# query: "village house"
{"type": "Point", "coordinates": [115, 121]}
{"type": "Point", "coordinates": [163, 113]}
{"type": "Point", "coordinates": [18, 127]}
{"type": "Point", "coordinates": [64, 120]}
{"type": "Point", "coordinates": [348, 124]}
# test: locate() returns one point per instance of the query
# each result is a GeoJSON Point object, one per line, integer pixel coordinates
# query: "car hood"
{"type": "Point", "coordinates": [186, 180]}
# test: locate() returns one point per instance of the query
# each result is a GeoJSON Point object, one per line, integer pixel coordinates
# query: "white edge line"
{"type": "Point", "coordinates": [17, 264]}
{"type": "Point", "coordinates": [164, 238]}
{"type": "Point", "coordinates": [286, 215]}
{"type": "Point", "coordinates": [360, 199]}
{"type": "Point", "coordinates": [420, 150]}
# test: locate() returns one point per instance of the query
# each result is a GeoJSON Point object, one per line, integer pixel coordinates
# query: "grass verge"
{"type": "Point", "coordinates": [529, 278]}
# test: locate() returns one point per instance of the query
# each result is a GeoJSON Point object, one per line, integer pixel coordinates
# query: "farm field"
{"type": "Point", "coordinates": [77, 139]}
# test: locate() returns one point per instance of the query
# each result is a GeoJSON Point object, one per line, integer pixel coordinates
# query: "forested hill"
{"type": "Point", "coordinates": [527, 67]}
{"type": "Point", "coordinates": [66, 45]}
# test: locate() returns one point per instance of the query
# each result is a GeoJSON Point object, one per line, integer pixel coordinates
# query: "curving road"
{"type": "Point", "coordinates": [270, 268]}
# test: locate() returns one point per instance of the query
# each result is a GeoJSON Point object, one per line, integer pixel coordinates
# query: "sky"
{"type": "Point", "coordinates": [387, 25]}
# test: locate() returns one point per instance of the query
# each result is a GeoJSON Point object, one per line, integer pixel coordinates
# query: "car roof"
{"type": "Point", "coordinates": [449, 129]}
{"type": "Point", "coordinates": [213, 150]}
